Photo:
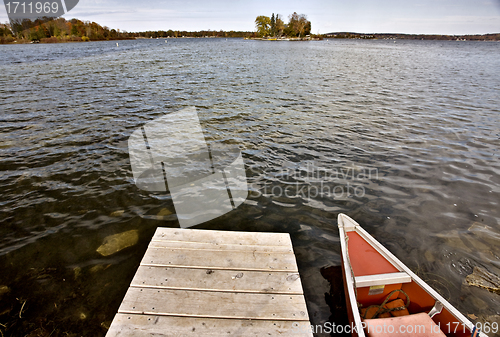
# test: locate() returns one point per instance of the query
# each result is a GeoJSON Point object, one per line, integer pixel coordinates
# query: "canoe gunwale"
{"type": "Point", "coordinates": [349, 282]}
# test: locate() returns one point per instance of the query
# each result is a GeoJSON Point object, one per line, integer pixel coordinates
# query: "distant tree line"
{"type": "Point", "coordinates": [182, 33]}
{"type": "Point", "coordinates": [393, 36]}
{"type": "Point", "coordinates": [6, 34]}
{"type": "Point", "coordinates": [274, 26]}
{"type": "Point", "coordinates": [57, 30]}
{"type": "Point", "coordinates": [62, 30]}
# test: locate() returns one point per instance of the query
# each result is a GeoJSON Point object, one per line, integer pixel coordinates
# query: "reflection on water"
{"type": "Point", "coordinates": [423, 114]}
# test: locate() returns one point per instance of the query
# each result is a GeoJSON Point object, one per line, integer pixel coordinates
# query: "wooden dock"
{"type": "Point", "coordinates": [211, 283]}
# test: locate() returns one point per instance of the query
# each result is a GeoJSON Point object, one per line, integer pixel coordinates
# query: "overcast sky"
{"type": "Point", "coordinates": [364, 16]}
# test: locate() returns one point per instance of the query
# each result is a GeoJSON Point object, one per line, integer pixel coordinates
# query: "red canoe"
{"type": "Point", "coordinates": [385, 298]}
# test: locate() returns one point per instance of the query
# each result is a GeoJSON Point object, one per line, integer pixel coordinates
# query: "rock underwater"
{"type": "Point", "coordinates": [116, 242]}
{"type": "Point", "coordinates": [482, 278]}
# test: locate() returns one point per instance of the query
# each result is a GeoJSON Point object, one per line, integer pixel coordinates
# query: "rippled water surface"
{"type": "Point", "coordinates": [404, 137]}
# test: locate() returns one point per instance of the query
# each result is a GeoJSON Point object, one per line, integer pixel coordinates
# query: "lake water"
{"type": "Point", "coordinates": [402, 136]}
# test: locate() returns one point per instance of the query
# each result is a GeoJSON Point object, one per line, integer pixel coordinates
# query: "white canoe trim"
{"type": "Point", "coordinates": [382, 279]}
{"type": "Point", "coordinates": [349, 281]}
{"type": "Point", "coordinates": [345, 221]}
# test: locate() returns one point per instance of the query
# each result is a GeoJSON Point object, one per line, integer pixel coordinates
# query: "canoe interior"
{"type": "Point", "coordinates": [366, 260]}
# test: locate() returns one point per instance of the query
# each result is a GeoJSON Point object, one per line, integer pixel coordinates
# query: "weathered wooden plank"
{"type": "Point", "coordinates": [153, 301]}
{"type": "Point", "coordinates": [222, 237]}
{"type": "Point", "coordinates": [130, 325]}
{"type": "Point", "coordinates": [217, 246]}
{"type": "Point", "coordinates": [217, 280]}
{"type": "Point", "coordinates": [212, 283]}
{"type": "Point", "coordinates": [214, 259]}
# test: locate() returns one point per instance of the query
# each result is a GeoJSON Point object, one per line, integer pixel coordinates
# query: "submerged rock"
{"type": "Point", "coordinates": [163, 212]}
{"type": "Point", "coordinates": [485, 233]}
{"type": "Point", "coordinates": [429, 256]}
{"type": "Point", "coordinates": [468, 242]}
{"type": "Point", "coordinates": [482, 278]}
{"type": "Point", "coordinates": [99, 267]}
{"type": "Point", "coordinates": [453, 239]}
{"type": "Point", "coordinates": [479, 303]}
{"type": "Point", "coordinates": [493, 319]}
{"type": "Point", "coordinates": [4, 290]}
{"type": "Point", "coordinates": [117, 213]}
{"type": "Point", "coordinates": [77, 272]}
{"type": "Point", "coordinates": [106, 324]}
{"type": "Point", "coordinates": [116, 242]}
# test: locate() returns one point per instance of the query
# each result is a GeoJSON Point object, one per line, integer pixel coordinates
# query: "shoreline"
{"type": "Point", "coordinates": [336, 36]}
{"type": "Point", "coordinates": [401, 36]}
{"type": "Point", "coordinates": [52, 40]}
{"type": "Point", "coordinates": [286, 38]}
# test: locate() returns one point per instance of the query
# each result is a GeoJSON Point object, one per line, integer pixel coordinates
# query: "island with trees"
{"type": "Point", "coordinates": [274, 28]}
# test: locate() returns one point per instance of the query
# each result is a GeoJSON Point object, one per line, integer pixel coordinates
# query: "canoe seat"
{"type": "Point", "coordinates": [416, 325]}
{"type": "Point", "coordinates": [382, 279]}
